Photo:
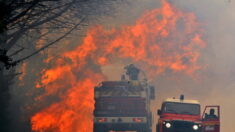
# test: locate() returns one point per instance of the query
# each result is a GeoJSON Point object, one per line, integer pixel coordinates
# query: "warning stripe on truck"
{"type": "Point", "coordinates": [120, 119]}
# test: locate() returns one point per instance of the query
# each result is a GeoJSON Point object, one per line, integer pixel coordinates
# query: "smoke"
{"type": "Point", "coordinates": [205, 74]}
{"type": "Point", "coordinates": [217, 86]}
{"type": "Point", "coordinates": [214, 84]}
{"type": "Point", "coordinates": [161, 40]}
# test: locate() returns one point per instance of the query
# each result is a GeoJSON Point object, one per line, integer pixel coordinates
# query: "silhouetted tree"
{"type": "Point", "coordinates": [22, 20]}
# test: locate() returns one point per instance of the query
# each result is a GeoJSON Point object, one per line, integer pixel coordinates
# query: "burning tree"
{"type": "Point", "coordinates": [23, 22]}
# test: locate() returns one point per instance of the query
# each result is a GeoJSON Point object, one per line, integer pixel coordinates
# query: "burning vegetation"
{"type": "Point", "coordinates": [163, 39]}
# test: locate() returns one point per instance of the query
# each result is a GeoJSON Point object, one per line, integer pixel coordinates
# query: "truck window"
{"type": "Point", "coordinates": [120, 106]}
{"type": "Point", "coordinates": [181, 108]}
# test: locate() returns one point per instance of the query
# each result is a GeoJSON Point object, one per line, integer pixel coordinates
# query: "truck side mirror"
{"type": "Point", "coordinates": [159, 112]}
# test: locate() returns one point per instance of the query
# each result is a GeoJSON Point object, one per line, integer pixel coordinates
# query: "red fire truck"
{"type": "Point", "coordinates": [180, 115]}
{"type": "Point", "coordinates": [123, 106]}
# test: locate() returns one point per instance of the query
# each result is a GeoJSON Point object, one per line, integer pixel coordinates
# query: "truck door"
{"type": "Point", "coordinates": [211, 119]}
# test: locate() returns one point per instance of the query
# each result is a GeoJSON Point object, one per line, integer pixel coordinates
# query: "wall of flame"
{"type": "Point", "coordinates": [162, 40]}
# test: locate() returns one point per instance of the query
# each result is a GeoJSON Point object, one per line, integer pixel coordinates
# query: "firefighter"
{"type": "Point", "coordinates": [132, 72]}
{"type": "Point", "coordinates": [211, 114]}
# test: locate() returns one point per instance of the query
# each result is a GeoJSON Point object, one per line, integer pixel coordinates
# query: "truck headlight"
{"type": "Point", "coordinates": [195, 127]}
{"type": "Point", "coordinates": [168, 125]}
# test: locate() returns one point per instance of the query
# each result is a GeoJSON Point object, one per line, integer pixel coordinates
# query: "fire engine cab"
{"type": "Point", "coordinates": [124, 105]}
{"type": "Point", "coordinates": [180, 115]}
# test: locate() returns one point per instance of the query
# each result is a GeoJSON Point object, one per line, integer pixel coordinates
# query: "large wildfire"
{"type": "Point", "coordinates": [163, 39]}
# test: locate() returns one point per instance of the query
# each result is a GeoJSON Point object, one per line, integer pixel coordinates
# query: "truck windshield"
{"type": "Point", "coordinates": [181, 108]}
{"type": "Point", "coordinates": [120, 106]}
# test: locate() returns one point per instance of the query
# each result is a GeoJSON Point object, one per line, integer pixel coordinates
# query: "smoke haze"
{"type": "Point", "coordinates": [212, 84]}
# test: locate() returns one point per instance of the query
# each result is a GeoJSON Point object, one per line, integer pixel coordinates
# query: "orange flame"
{"type": "Point", "coordinates": [162, 39]}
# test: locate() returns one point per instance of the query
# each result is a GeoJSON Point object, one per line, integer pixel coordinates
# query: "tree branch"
{"type": "Point", "coordinates": [23, 13]}
{"type": "Point", "coordinates": [48, 45]}
{"type": "Point", "coordinates": [16, 52]}
{"type": "Point", "coordinates": [35, 24]}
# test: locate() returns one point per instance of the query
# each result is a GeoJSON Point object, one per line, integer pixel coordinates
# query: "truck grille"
{"type": "Point", "coordinates": [181, 126]}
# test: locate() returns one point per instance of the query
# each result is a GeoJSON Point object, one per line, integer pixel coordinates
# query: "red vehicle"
{"type": "Point", "coordinates": [124, 105]}
{"type": "Point", "coordinates": [179, 115]}
{"type": "Point", "coordinates": [211, 123]}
